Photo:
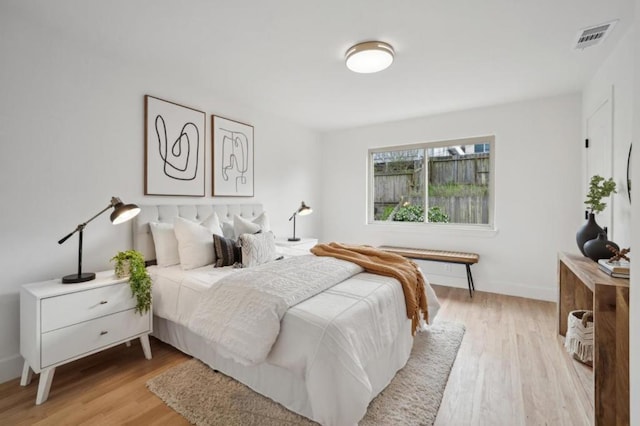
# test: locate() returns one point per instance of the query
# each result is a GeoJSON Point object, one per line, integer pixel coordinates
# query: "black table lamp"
{"type": "Point", "coordinates": [121, 213]}
{"type": "Point", "coordinates": [302, 211]}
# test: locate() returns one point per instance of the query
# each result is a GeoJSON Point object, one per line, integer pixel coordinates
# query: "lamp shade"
{"type": "Point", "coordinates": [304, 209]}
{"type": "Point", "coordinates": [369, 57]}
{"type": "Point", "coordinates": [122, 212]}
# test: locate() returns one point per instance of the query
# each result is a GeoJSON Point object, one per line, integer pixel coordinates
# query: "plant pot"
{"type": "Point", "coordinates": [122, 269]}
{"type": "Point", "coordinates": [588, 231]}
{"type": "Point", "coordinates": [596, 249]}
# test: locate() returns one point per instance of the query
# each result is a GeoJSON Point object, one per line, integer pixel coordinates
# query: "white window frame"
{"type": "Point", "coordinates": [490, 139]}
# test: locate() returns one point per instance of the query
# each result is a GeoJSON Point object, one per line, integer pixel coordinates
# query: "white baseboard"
{"type": "Point", "coordinates": [10, 368]}
{"type": "Point", "coordinates": [522, 290]}
{"type": "Point", "coordinates": [499, 287]}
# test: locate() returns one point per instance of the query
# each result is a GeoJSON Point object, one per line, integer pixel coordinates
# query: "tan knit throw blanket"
{"type": "Point", "coordinates": [387, 264]}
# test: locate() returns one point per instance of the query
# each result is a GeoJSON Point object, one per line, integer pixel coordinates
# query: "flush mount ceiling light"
{"type": "Point", "coordinates": [369, 57]}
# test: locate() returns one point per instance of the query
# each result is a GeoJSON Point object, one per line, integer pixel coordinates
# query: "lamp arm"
{"type": "Point", "coordinates": [82, 225]}
{"type": "Point", "coordinates": [62, 240]}
{"type": "Point", "coordinates": [103, 210]}
{"type": "Point", "coordinates": [293, 216]}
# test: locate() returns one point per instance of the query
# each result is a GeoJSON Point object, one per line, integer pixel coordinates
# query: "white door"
{"type": "Point", "coordinates": [599, 159]}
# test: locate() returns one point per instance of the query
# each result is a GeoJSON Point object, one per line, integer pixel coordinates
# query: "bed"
{"type": "Point", "coordinates": [335, 351]}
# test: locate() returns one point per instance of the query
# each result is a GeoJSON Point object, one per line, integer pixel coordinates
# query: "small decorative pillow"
{"type": "Point", "coordinates": [166, 244]}
{"type": "Point", "coordinates": [257, 248]}
{"type": "Point", "coordinates": [227, 251]}
{"type": "Point", "coordinates": [195, 246]}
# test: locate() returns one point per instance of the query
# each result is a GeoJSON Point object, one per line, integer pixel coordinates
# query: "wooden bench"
{"type": "Point", "coordinates": [467, 259]}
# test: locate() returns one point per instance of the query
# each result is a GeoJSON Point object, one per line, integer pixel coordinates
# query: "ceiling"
{"type": "Point", "coordinates": [287, 56]}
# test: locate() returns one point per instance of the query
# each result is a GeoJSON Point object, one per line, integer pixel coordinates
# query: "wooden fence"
{"type": "Point", "coordinates": [392, 188]}
{"type": "Point", "coordinates": [399, 183]}
{"type": "Point", "coordinates": [465, 209]}
{"type": "Point", "coordinates": [470, 169]}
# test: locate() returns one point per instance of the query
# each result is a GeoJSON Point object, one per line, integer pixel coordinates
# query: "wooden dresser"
{"type": "Point", "coordinates": [582, 285]}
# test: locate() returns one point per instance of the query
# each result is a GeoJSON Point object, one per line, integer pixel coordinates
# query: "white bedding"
{"type": "Point", "coordinates": [334, 344]}
{"type": "Point", "coordinates": [256, 299]}
{"type": "Point", "coordinates": [176, 292]}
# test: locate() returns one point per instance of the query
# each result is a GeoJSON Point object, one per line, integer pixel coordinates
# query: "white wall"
{"type": "Point", "coordinates": [71, 132]}
{"type": "Point", "coordinates": [616, 74]}
{"type": "Point", "coordinates": [620, 71]}
{"type": "Point", "coordinates": [537, 173]}
{"type": "Point", "coordinates": [634, 302]}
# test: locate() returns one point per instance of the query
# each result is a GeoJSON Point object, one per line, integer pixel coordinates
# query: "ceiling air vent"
{"type": "Point", "coordinates": [591, 36]}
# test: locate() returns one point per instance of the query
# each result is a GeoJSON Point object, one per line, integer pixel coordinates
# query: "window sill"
{"type": "Point", "coordinates": [482, 231]}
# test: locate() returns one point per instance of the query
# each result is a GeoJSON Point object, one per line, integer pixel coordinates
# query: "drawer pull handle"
{"type": "Point", "coordinates": [102, 333]}
{"type": "Point", "coordinates": [103, 302]}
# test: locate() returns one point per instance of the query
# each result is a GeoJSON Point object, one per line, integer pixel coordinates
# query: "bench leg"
{"type": "Point", "coordinates": [470, 280]}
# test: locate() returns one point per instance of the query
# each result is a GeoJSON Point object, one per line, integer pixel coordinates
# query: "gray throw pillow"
{"type": "Point", "coordinates": [257, 248]}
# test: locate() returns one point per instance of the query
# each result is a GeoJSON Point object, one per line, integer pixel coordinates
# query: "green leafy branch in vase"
{"type": "Point", "coordinates": [599, 188]}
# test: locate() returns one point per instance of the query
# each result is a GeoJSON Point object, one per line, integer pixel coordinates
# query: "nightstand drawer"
{"type": "Point", "coordinates": [72, 308]}
{"type": "Point", "coordinates": [79, 339]}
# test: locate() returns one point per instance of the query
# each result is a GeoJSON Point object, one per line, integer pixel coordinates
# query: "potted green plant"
{"type": "Point", "coordinates": [599, 188]}
{"type": "Point", "coordinates": [131, 263]}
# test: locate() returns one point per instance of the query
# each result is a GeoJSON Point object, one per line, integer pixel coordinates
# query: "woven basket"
{"type": "Point", "coordinates": [579, 339]}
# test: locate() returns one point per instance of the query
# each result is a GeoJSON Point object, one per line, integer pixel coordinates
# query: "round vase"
{"type": "Point", "coordinates": [588, 231]}
{"type": "Point", "coordinates": [596, 249]}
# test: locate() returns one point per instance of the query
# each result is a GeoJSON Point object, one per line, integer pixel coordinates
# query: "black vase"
{"type": "Point", "coordinates": [588, 231]}
{"type": "Point", "coordinates": [597, 249]}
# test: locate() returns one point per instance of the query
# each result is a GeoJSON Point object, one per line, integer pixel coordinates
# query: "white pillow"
{"type": "Point", "coordinates": [195, 243]}
{"type": "Point", "coordinates": [213, 224]}
{"type": "Point", "coordinates": [166, 244]}
{"type": "Point", "coordinates": [227, 230]}
{"type": "Point", "coordinates": [257, 248]}
{"type": "Point", "coordinates": [244, 226]}
{"type": "Point", "coordinates": [263, 221]}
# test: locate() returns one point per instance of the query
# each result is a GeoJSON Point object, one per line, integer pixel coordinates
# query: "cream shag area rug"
{"type": "Point", "coordinates": [206, 397]}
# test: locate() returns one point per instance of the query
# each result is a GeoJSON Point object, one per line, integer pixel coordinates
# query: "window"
{"type": "Point", "coordinates": [436, 182]}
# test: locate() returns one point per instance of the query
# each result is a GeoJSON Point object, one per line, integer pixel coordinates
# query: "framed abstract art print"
{"type": "Point", "coordinates": [174, 149]}
{"type": "Point", "coordinates": [232, 158]}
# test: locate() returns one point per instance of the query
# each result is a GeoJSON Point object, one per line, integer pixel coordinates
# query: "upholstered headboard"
{"type": "Point", "coordinates": [142, 238]}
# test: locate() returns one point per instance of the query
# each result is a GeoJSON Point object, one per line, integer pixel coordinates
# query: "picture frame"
{"type": "Point", "coordinates": [232, 158]}
{"type": "Point", "coordinates": [174, 149]}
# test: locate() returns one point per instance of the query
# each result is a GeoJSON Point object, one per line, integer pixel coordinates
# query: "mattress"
{"type": "Point", "coordinates": [336, 351]}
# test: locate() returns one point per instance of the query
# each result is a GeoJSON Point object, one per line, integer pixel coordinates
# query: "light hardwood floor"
{"type": "Point", "coordinates": [511, 370]}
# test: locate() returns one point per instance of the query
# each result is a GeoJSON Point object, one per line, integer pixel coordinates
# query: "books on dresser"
{"type": "Point", "coordinates": [618, 269]}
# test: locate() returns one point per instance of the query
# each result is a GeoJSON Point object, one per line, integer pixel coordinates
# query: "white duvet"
{"type": "Point", "coordinates": [327, 340]}
{"type": "Point", "coordinates": [247, 324]}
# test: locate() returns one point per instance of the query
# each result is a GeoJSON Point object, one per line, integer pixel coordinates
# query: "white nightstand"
{"type": "Point", "coordinates": [295, 248]}
{"type": "Point", "coordinates": [60, 323]}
